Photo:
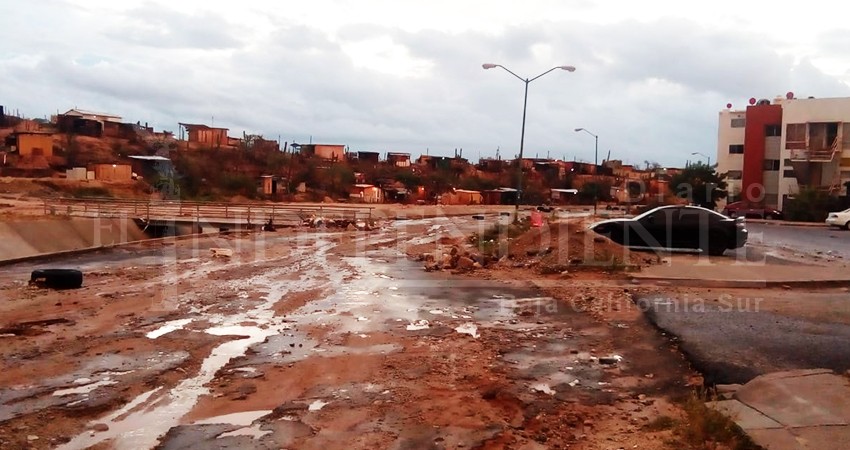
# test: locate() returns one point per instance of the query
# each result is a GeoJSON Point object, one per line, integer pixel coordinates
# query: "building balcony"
{"type": "Point", "coordinates": [817, 155]}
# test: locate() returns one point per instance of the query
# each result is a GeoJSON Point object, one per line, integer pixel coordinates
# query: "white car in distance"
{"type": "Point", "coordinates": [839, 219]}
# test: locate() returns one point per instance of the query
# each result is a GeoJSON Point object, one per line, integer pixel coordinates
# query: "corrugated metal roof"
{"type": "Point", "coordinates": [83, 112]}
{"type": "Point", "coordinates": [149, 158]}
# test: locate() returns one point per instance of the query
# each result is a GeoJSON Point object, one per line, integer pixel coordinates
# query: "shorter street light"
{"type": "Point", "coordinates": [595, 166]}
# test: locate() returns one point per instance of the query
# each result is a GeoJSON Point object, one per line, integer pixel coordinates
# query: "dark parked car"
{"type": "Point", "coordinates": [752, 211]}
{"type": "Point", "coordinates": [677, 228]}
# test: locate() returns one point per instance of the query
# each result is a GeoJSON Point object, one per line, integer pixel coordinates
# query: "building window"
{"type": "Point", "coordinates": [788, 173]}
{"type": "Point", "coordinates": [773, 130]}
{"type": "Point", "coordinates": [734, 175]}
{"type": "Point", "coordinates": [738, 122]}
{"type": "Point", "coordinates": [771, 164]}
{"type": "Point", "coordinates": [795, 136]}
{"type": "Point", "coordinates": [736, 149]}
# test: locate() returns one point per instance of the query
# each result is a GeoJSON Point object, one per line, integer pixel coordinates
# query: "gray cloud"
{"type": "Point", "coordinates": [650, 90]}
{"type": "Point", "coordinates": [151, 25]}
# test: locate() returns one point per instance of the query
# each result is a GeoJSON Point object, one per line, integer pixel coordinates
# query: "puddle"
{"type": "Point", "coordinates": [85, 389]}
{"type": "Point", "coordinates": [168, 327]}
{"type": "Point", "coordinates": [242, 419]}
{"type": "Point", "coordinates": [253, 431]}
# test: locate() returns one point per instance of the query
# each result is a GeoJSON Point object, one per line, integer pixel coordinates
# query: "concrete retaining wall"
{"type": "Point", "coordinates": [23, 238]}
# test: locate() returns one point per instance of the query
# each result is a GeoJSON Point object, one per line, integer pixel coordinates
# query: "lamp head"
{"type": "Point", "coordinates": [489, 65]}
{"type": "Point", "coordinates": [568, 68]}
{"type": "Point", "coordinates": [579, 129]}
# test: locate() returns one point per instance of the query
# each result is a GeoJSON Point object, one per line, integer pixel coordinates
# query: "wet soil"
{"type": "Point", "coordinates": [306, 339]}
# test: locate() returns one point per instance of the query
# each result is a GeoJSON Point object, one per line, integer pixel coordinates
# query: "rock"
{"type": "Point", "coordinates": [477, 266]}
{"type": "Point", "coordinates": [431, 267]}
{"type": "Point", "coordinates": [599, 239]}
{"type": "Point", "coordinates": [351, 227]}
{"type": "Point", "coordinates": [454, 251]}
{"type": "Point", "coordinates": [32, 437]}
{"type": "Point", "coordinates": [786, 287]}
{"type": "Point", "coordinates": [447, 262]}
{"type": "Point", "coordinates": [100, 427]}
{"type": "Point", "coordinates": [464, 263]}
{"type": "Point", "coordinates": [727, 388]}
{"type": "Point", "coordinates": [608, 360]}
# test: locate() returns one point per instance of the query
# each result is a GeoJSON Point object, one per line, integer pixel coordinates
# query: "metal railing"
{"type": "Point", "coordinates": [176, 210]}
{"type": "Point", "coordinates": [817, 155]}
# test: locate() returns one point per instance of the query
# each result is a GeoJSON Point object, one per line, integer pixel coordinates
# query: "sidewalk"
{"type": "Point", "coordinates": [707, 273]}
{"type": "Point", "coordinates": [799, 409]}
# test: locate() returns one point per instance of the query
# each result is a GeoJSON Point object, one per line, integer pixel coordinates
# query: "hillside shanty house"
{"type": "Point", "coordinates": [270, 184]}
{"type": "Point", "coordinates": [499, 196]}
{"type": "Point", "coordinates": [89, 123]}
{"type": "Point", "coordinates": [366, 193]}
{"type": "Point", "coordinates": [204, 135]}
{"type": "Point", "coordinates": [461, 197]}
{"type": "Point", "coordinates": [112, 172]}
{"type": "Point", "coordinates": [398, 159]}
{"type": "Point", "coordinates": [562, 196]}
{"type": "Point", "coordinates": [329, 152]}
{"type": "Point", "coordinates": [369, 157]}
{"type": "Point", "coordinates": [32, 143]}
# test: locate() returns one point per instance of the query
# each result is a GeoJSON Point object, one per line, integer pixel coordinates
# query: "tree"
{"type": "Point", "coordinates": [699, 184]}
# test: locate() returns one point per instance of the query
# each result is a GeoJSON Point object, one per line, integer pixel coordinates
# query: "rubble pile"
{"type": "Point", "coordinates": [455, 260]}
{"type": "Point", "coordinates": [348, 224]}
{"type": "Point", "coordinates": [560, 246]}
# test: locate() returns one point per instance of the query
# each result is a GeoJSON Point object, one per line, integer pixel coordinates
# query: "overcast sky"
{"type": "Point", "coordinates": [390, 75]}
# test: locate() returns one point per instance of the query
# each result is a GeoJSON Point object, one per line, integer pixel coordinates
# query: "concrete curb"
{"type": "Point", "coordinates": [80, 251]}
{"type": "Point", "coordinates": [782, 223]}
{"type": "Point", "coordinates": [749, 284]}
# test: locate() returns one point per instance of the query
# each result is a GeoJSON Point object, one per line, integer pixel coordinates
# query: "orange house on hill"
{"type": "Point", "coordinates": [330, 152]}
{"type": "Point", "coordinates": [205, 135]}
{"type": "Point", "coordinates": [33, 143]}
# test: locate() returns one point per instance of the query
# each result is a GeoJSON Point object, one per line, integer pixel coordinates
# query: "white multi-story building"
{"type": "Point", "coordinates": [771, 149]}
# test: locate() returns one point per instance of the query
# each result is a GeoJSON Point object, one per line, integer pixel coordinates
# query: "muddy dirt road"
{"type": "Point", "coordinates": [323, 340]}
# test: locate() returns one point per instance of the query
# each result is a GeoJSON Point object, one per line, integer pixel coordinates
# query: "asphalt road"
{"type": "Point", "coordinates": [803, 240]}
{"type": "Point", "coordinates": [732, 336]}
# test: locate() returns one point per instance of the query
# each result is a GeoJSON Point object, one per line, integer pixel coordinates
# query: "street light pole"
{"type": "Point", "coordinates": [595, 166]}
{"type": "Point", "coordinates": [526, 81]}
{"type": "Point", "coordinates": [708, 158]}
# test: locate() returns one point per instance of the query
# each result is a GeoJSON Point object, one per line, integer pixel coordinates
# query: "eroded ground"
{"type": "Point", "coordinates": [309, 339]}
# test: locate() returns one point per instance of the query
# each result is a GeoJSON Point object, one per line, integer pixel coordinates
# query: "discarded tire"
{"type": "Point", "coordinates": [57, 278]}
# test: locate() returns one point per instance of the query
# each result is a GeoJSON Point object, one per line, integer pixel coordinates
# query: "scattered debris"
{"type": "Point", "coordinates": [418, 325]}
{"type": "Point", "coordinates": [317, 405]}
{"type": "Point", "coordinates": [468, 328]}
{"type": "Point", "coordinates": [221, 252]}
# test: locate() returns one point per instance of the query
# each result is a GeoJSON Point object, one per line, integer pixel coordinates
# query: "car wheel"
{"type": "Point", "coordinates": [57, 278]}
{"type": "Point", "coordinates": [847, 225]}
{"type": "Point", "coordinates": [769, 216]}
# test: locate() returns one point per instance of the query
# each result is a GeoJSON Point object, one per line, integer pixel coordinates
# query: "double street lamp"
{"type": "Point", "coordinates": [524, 107]}
{"type": "Point", "coordinates": [595, 166]}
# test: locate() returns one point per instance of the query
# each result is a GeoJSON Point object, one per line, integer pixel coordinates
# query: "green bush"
{"type": "Point", "coordinates": [810, 205]}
